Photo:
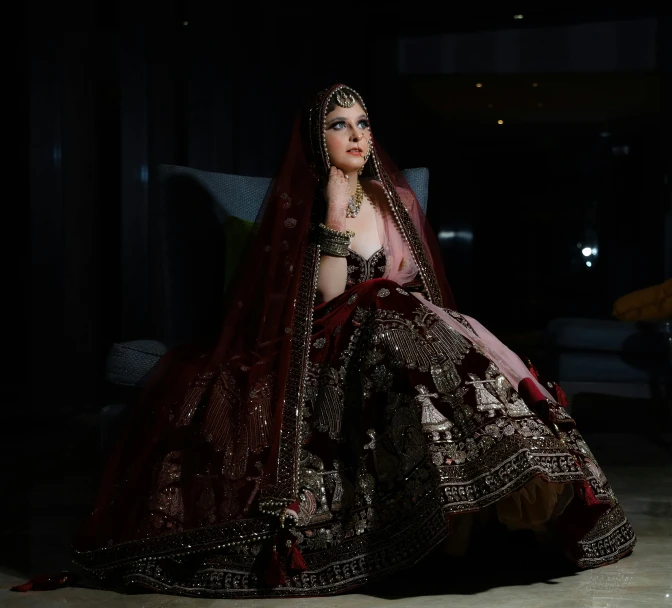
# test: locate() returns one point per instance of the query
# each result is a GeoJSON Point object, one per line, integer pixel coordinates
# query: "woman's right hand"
{"type": "Point", "coordinates": [337, 190]}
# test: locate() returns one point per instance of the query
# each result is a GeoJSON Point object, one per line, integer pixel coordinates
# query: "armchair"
{"type": "Point", "coordinates": [193, 207]}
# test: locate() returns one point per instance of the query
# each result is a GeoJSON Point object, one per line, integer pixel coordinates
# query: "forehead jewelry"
{"type": "Point", "coordinates": [345, 99]}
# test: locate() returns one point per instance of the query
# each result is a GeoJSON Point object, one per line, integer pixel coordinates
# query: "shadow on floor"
{"type": "Point", "coordinates": [496, 559]}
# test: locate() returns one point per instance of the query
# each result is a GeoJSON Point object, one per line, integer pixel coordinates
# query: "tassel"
{"type": "Point", "coordinates": [274, 574]}
{"type": "Point", "coordinates": [533, 370]}
{"type": "Point", "coordinates": [45, 582]}
{"type": "Point", "coordinates": [560, 396]}
{"type": "Point", "coordinates": [295, 560]}
{"type": "Point", "coordinates": [285, 557]}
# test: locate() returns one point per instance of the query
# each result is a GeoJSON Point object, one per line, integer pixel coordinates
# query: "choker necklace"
{"type": "Point", "coordinates": [355, 203]}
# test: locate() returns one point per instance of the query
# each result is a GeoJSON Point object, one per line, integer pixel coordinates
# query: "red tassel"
{"type": "Point", "coordinates": [45, 582]}
{"type": "Point", "coordinates": [589, 496]}
{"type": "Point", "coordinates": [561, 397]}
{"type": "Point", "coordinates": [533, 370]}
{"type": "Point", "coordinates": [295, 560]}
{"type": "Point", "coordinates": [274, 574]}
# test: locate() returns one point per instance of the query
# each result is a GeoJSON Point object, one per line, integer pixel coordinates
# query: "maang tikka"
{"type": "Point", "coordinates": [345, 99]}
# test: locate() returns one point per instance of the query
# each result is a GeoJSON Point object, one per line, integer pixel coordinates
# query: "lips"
{"type": "Point", "coordinates": [355, 151]}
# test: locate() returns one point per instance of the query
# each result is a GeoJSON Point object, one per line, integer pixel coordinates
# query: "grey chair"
{"type": "Point", "coordinates": [611, 357]}
{"type": "Point", "coordinates": [188, 261]}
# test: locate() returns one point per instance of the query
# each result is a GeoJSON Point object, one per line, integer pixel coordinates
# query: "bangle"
{"type": "Point", "coordinates": [334, 242]}
{"type": "Point", "coordinates": [337, 250]}
{"type": "Point", "coordinates": [337, 233]}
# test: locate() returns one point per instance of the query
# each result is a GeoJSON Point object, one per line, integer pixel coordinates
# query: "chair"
{"type": "Point", "coordinates": [610, 357]}
{"type": "Point", "coordinates": [616, 358]}
{"type": "Point", "coordinates": [189, 259]}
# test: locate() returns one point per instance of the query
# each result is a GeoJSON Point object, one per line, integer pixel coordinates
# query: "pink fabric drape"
{"type": "Point", "coordinates": [402, 269]}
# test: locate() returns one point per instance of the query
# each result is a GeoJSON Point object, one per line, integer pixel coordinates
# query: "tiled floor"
{"type": "Point", "coordinates": [48, 489]}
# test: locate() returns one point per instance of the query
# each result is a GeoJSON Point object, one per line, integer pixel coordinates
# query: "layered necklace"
{"type": "Point", "coordinates": [355, 203]}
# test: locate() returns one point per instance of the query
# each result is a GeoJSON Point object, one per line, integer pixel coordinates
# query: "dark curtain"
{"type": "Point", "coordinates": [106, 93]}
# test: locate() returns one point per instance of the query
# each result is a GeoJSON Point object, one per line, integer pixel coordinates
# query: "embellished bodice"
{"type": "Point", "coordinates": [361, 269]}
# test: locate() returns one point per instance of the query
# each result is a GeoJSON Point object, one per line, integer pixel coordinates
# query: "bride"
{"type": "Point", "coordinates": [348, 420]}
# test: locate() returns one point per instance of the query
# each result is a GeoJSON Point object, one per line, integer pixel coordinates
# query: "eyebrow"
{"type": "Point", "coordinates": [343, 118]}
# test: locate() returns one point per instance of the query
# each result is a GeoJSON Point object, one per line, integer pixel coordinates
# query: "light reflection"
{"type": "Point", "coordinates": [586, 251]}
{"type": "Point", "coordinates": [589, 263]}
{"type": "Point", "coordinates": [445, 235]}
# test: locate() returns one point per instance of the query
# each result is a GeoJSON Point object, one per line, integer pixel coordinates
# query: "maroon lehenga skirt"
{"type": "Point", "coordinates": [409, 435]}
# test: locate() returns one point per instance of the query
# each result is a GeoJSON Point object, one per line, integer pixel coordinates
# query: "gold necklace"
{"type": "Point", "coordinates": [355, 202]}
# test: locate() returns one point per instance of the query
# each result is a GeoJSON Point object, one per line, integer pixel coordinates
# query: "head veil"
{"type": "Point", "coordinates": [215, 437]}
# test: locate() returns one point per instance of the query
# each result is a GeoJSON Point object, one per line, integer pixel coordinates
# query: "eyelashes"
{"type": "Point", "coordinates": [363, 124]}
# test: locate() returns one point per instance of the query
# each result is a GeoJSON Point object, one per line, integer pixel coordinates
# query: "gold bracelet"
{"type": "Point", "coordinates": [348, 234]}
{"type": "Point", "coordinates": [337, 250]}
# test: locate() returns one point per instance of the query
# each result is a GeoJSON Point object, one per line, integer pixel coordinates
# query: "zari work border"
{"type": "Point", "coordinates": [506, 467]}
{"type": "Point", "coordinates": [410, 234]}
{"type": "Point", "coordinates": [401, 544]}
{"type": "Point", "coordinates": [611, 538]}
{"type": "Point", "coordinates": [358, 561]}
{"type": "Point", "coordinates": [177, 544]}
{"type": "Point", "coordinates": [284, 491]}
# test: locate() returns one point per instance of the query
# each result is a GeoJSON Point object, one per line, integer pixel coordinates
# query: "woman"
{"type": "Point", "coordinates": [348, 421]}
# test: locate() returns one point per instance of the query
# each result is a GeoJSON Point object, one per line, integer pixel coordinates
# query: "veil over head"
{"type": "Point", "coordinates": [214, 439]}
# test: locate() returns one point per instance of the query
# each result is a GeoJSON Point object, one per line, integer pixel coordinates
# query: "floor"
{"type": "Point", "coordinates": [50, 485]}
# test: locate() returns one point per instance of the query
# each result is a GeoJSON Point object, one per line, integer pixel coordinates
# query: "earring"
{"type": "Point", "coordinates": [366, 158]}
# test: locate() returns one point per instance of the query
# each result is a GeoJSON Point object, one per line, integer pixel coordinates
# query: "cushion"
{"type": "Point", "coordinates": [608, 367]}
{"type": "Point", "coordinates": [129, 363]}
{"type": "Point", "coordinates": [650, 304]}
{"type": "Point", "coordinates": [606, 335]}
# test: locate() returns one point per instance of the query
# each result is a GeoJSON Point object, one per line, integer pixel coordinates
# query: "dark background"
{"type": "Point", "coordinates": [106, 93]}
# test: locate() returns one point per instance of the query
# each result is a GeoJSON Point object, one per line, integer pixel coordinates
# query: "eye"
{"type": "Point", "coordinates": [364, 124]}
{"type": "Point", "coordinates": [338, 125]}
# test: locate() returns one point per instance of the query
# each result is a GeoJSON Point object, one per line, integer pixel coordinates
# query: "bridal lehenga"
{"type": "Point", "coordinates": [322, 445]}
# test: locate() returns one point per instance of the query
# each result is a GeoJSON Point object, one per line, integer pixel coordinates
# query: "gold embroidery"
{"type": "Point", "coordinates": [366, 267]}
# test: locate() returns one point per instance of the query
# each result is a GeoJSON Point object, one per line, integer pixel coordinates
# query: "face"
{"type": "Point", "coordinates": [348, 135]}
